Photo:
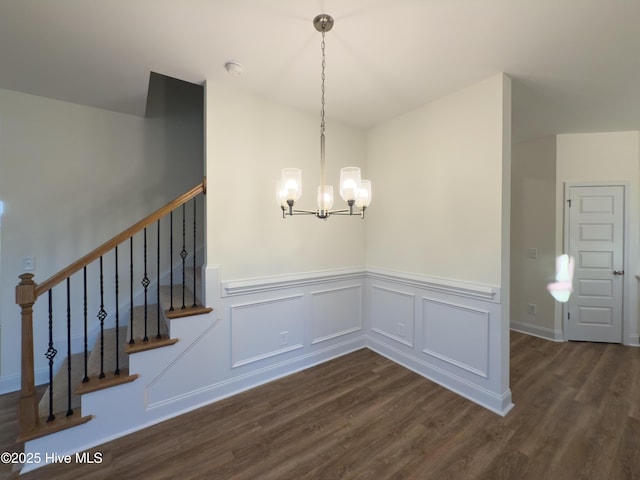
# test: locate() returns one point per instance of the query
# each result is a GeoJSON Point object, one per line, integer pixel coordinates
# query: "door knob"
{"type": "Point", "coordinates": [618, 272]}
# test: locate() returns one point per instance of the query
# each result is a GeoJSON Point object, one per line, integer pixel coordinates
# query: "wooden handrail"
{"type": "Point", "coordinates": [118, 239]}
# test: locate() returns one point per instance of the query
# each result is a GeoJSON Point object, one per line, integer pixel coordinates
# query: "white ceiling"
{"type": "Point", "coordinates": [575, 63]}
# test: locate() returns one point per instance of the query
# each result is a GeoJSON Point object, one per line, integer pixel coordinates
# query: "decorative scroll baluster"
{"type": "Point", "coordinates": [145, 283]}
{"type": "Point", "coordinates": [117, 370]}
{"type": "Point", "coordinates": [194, 254]}
{"type": "Point", "coordinates": [171, 259]}
{"type": "Point", "coordinates": [158, 286]}
{"type": "Point", "coordinates": [69, 409]}
{"type": "Point", "coordinates": [85, 379]}
{"type": "Point", "coordinates": [102, 314]}
{"type": "Point", "coordinates": [51, 354]}
{"type": "Point", "coordinates": [131, 340]}
{"type": "Point", "coordinates": [183, 253]}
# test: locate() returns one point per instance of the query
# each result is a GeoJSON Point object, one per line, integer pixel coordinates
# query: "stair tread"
{"type": "Point", "coordinates": [109, 380]}
{"type": "Point", "coordinates": [61, 422]}
{"type": "Point", "coordinates": [187, 312]}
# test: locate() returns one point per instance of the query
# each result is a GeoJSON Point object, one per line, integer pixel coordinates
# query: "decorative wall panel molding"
{"type": "Point", "coordinates": [336, 312]}
{"type": "Point", "coordinates": [393, 314]}
{"type": "Point", "coordinates": [265, 328]}
{"type": "Point", "coordinates": [456, 334]}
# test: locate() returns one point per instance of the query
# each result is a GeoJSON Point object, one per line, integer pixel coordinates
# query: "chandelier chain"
{"type": "Point", "coordinates": [322, 76]}
{"type": "Point", "coordinates": [322, 148]}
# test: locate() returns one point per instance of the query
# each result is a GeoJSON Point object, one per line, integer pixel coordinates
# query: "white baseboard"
{"type": "Point", "coordinates": [537, 331]}
{"type": "Point", "coordinates": [11, 383]}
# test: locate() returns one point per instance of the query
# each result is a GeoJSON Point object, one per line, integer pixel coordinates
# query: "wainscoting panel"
{"type": "Point", "coordinates": [335, 312]}
{"type": "Point", "coordinates": [453, 333]}
{"type": "Point", "coordinates": [443, 323]}
{"type": "Point", "coordinates": [266, 328]}
{"type": "Point", "coordinates": [393, 314]}
{"type": "Point", "coordinates": [448, 331]}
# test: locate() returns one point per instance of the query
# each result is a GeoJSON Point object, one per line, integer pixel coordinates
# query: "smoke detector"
{"type": "Point", "coordinates": [233, 68]}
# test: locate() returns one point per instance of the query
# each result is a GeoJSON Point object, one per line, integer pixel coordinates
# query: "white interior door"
{"type": "Point", "coordinates": [596, 241]}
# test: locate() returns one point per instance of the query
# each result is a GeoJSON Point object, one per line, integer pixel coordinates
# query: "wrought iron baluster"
{"type": "Point", "coordinates": [69, 409]}
{"type": "Point", "coordinates": [117, 370]}
{"type": "Point", "coordinates": [145, 283]}
{"type": "Point", "coordinates": [102, 314]}
{"type": "Point", "coordinates": [85, 379]}
{"type": "Point", "coordinates": [158, 286]}
{"type": "Point", "coordinates": [183, 253]}
{"type": "Point", "coordinates": [50, 355]}
{"type": "Point", "coordinates": [131, 340]}
{"type": "Point", "coordinates": [194, 253]}
{"type": "Point", "coordinates": [171, 259]}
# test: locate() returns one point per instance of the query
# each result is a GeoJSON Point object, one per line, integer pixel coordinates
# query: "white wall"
{"type": "Point", "coordinates": [533, 223]}
{"type": "Point", "coordinates": [71, 177]}
{"type": "Point", "coordinates": [438, 198]}
{"type": "Point", "coordinates": [249, 140]}
{"type": "Point", "coordinates": [597, 157]}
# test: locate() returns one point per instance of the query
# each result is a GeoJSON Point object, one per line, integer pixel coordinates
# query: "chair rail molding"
{"type": "Point", "coordinates": [279, 282]}
{"type": "Point", "coordinates": [477, 291]}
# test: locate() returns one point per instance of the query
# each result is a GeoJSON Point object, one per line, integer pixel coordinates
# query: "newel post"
{"type": "Point", "coordinates": [28, 406]}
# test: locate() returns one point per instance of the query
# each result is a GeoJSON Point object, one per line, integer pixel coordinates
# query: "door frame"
{"type": "Point", "coordinates": [626, 297]}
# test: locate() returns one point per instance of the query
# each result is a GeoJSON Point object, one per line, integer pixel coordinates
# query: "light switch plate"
{"type": "Point", "coordinates": [28, 264]}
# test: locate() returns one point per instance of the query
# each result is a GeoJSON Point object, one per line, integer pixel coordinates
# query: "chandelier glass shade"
{"type": "Point", "coordinates": [353, 189]}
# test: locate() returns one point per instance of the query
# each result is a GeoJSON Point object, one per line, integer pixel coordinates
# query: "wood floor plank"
{"type": "Point", "coordinates": [627, 457]}
{"type": "Point", "coordinates": [363, 417]}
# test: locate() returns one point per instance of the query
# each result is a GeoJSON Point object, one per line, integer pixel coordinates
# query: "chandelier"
{"type": "Point", "coordinates": [353, 189]}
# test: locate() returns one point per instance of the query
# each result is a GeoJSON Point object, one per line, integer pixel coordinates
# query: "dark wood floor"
{"type": "Point", "coordinates": [361, 416]}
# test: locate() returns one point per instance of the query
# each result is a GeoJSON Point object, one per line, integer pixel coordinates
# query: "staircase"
{"type": "Point", "coordinates": [117, 343]}
{"type": "Point", "coordinates": [105, 391]}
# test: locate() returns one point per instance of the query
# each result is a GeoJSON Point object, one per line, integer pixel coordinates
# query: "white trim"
{"type": "Point", "coordinates": [538, 331]}
{"type": "Point", "coordinates": [453, 287]}
{"type": "Point", "coordinates": [396, 338]}
{"type": "Point", "coordinates": [12, 383]}
{"type": "Point", "coordinates": [264, 356]}
{"type": "Point", "coordinates": [240, 306]}
{"type": "Point", "coordinates": [411, 296]}
{"type": "Point", "coordinates": [278, 282]}
{"type": "Point", "coordinates": [337, 289]}
{"type": "Point", "coordinates": [632, 341]}
{"type": "Point", "coordinates": [315, 341]}
{"type": "Point", "coordinates": [484, 373]}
